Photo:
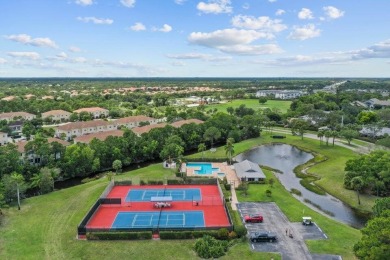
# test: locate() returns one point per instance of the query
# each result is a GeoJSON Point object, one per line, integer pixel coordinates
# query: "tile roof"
{"type": "Point", "coordinates": [86, 124]}
{"type": "Point", "coordinates": [22, 144]}
{"type": "Point", "coordinates": [101, 136]}
{"type": "Point", "coordinates": [14, 114]}
{"type": "Point", "coordinates": [55, 112]}
{"type": "Point", "coordinates": [188, 121]}
{"type": "Point", "coordinates": [131, 119]}
{"type": "Point", "coordinates": [90, 110]}
{"type": "Point", "coordinates": [145, 129]}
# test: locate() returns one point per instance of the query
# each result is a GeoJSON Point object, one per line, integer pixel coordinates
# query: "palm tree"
{"type": "Point", "coordinates": [334, 134]}
{"type": "Point", "coordinates": [327, 135]}
{"type": "Point", "coordinates": [18, 179]}
{"type": "Point", "coordinates": [357, 184]}
{"type": "Point", "coordinates": [320, 135]}
{"type": "Point", "coordinates": [201, 149]}
{"type": "Point", "coordinates": [229, 148]}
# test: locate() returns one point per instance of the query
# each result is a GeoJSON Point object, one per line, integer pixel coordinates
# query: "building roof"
{"type": "Point", "coordinates": [55, 112]}
{"type": "Point", "coordinates": [84, 124]}
{"type": "Point", "coordinates": [101, 136]}
{"type": "Point", "coordinates": [14, 114]}
{"type": "Point", "coordinates": [145, 129]}
{"type": "Point", "coordinates": [188, 121]}
{"type": "Point", "coordinates": [22, 144]}
{"type": "Point", "coordinates": [248, 169]}
{"type": "Point", "coordinates": [9, 98]}
{"type": "Point", "coordinates": [378, 102]}
{"type": "Point", "coordinates": [47, 97]}
{"type": "Point", "coordinates": [132, 119]}
{"type": "Point", "coordinates": [90, 110]}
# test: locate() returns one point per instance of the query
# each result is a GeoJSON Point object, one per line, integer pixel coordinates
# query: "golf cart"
{"type": "Point", "coordinates": [306, 221]}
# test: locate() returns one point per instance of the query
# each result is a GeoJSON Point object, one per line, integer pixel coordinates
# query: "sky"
{"type": "Point", "coordinates": [194, 38]}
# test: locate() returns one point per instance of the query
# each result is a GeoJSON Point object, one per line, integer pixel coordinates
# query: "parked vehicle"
{"type": "Point", "coordinates": [263, 236]}
{"type": "Point", "coordinates": [254, 218]}
{"type": "Point", "coordinates": [306, 221]}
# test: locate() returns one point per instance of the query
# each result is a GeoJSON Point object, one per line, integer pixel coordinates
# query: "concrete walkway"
{"type": "Point", "coordinates": [234, 198]}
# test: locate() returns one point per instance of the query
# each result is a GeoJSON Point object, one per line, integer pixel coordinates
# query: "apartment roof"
{"type": "Point", "coordinates": [55, 112]}
{"type": "Point", "coordinates": [14, 114]}
{"type": "Point", "coordinates": [9, 98]}
{"type": "Point", "coordinates": [188, 121]}
{"type": "Point", "coordinates": [90, 110]}
{"type": "Point", "coordinates": [145, 129]}
{"type": "Point", "coordinates": [248, 169]}
{"type": "Point", "coordinates": [22, 144]}
{"type": "Point", "coordinates": [101, 136]}
{"type": "Point", "coordinates": [47, 97]}
{"type": "Point", "coordinates": [131, 119]}
{"type": "Point", "coordinates": [81, 125]}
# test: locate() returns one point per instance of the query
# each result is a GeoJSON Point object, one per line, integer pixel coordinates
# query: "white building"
{"type": "Point", "coordinates": [3, 138]}
{"type": "Point", "coordinates": [11, 116]}
{"type": "Point", "coordinates": [57, 115]}
{"type": "Point", "coordinates": [96, 112]}
{"type": "Point", "coordinates": [83, 128]}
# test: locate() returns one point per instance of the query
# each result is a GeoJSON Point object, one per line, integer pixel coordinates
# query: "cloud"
{"type": "Point", "coordinates": [252, 49]}
{"type": "Point", "coordinates": [84, 2]}
{"type": "Point", "coordinates": [74, 49]}
{"type": "Point", "coordinates": [305, 14]}
{"type": "Point", "coordinates": [272, 1]}
{"type": "Point", "coordinates": [166, 28]}
{"type": "Point", "coordinates": [215, 7]}
{"type": "Point", "coordinates": [304, 32]}
{"type": "Point", "coordinates": [280, 12]}
{"type": "Point", "coordinates": [62, 56]}
{"type": "Point", "coordinates": [198, 56]}
{"type": "Point", "coordinates": [3, 61]}
{"type": "Point", "coordinates": [28, 40]}
{"type": "Point", "coordinates": [263, 23]}
{"type": "Point", "coordinates": [225, 37]}
{"type": "Point", "coordinates": [95, 20]}
{"type": "Point", "coordinates": [332, 12]}
{"type": "Point", "coordinates": [245, 6]}
{"type": "Point", "coordinates": [178, 64]}
{"type": "Point", "coordinates": [138, 27]}
{"type": "Point", "coordinates": [379, 50]}
{"type": "Point", "coordinates": [27, 55]}
{"type": "Point", "coordinates": [180, 2]}
{"type": "Point", "coordinates": [128, 3]}
{"type": "Point", "coordinates": [303, 60]}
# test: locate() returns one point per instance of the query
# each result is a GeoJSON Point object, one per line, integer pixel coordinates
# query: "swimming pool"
{"type": "Point", "coordinates": [205, 168]}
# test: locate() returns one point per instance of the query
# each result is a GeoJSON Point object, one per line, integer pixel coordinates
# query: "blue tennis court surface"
{"type": "Point", "coordinates": [176, 194]}
{"type": "Point", "coordinates": [147, 219]}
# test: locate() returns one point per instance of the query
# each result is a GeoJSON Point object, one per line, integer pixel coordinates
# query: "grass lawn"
{"type": "Point", "coordinates": [46, 227]}
{"type": "Point", "coordinates": [341, 237]}
{"type": "Point", "coordinates": [330, 171]}
{"type": "Point", "coordinates": [252, 103]}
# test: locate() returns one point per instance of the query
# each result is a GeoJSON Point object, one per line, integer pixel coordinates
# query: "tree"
{"type": "Point", "coordinates": [320, 135]}
{"type": "Point", "coordinates": [201, 149]}
{"type": "Point", "coordinates": [374, 243]}
{"type": "Point", "coordinates": [334, 135]}
{"type": "Point", "coordinates": [45, 179]}
{"type": "Point", "coordinates": [229, 148]}
{"type": "Point", "coordinates": [263, 100]}
{"type": "Point", "coordinates": [357, 184]}
{"type": "Point", "coordinates": [271, 182]}
{"type": "Point", "coordinates": [170, 151]}
{"type": "Point", "coordinates": [230, 110]}
{"type": "Point", "coordinates": [367, 117]}
{"type": "Point", "coordinates": [349, 134]}
{"type": "Point", "coordinates": [327, 135]}
{"type": "Point", "coordinates": [299, 126]}
{"type": "Point", "coordinates": [18, 180]}
{"type": "Point", "coordinates": [28, 129]}
{"type": "Point", "coordinates": [117, 165]}
{"type": "Point", "coordinates": [380, 206]}
{"type": "Point", "coordinates": [211, 134]}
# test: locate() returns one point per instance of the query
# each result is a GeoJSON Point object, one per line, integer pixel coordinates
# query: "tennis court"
{"type": "Point", "coordinates": [176, 194]}
{"type": "Point", "coordinates": [150, 219]}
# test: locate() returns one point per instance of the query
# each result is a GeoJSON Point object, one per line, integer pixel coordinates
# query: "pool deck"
{"type": "Point", "coordinates": [228, 170]}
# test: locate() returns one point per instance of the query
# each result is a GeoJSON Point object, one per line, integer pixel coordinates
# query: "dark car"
{"type": "Point", "coordinates": [254, 218]}
{"type": "Point", "coordinates": [262, 236]}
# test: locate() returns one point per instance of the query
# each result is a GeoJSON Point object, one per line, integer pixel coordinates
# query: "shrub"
{"type": "Point", "coordinates": [152, 182]}
{"type": "Point", "coordinates": [119, 235]}
{"type": "Point", "coordinates": [240, 230]}
{"type": "Point", "coordinates": [142, 182]}
{"type": "Point", "coordinates": [209, 247]}
{"type": "Point", "coordinates": [268, 193]}
{"type": "Point", "coordinates": [296, 192]}
{"type": "Point", "coordinates": [232, 235]}
{"type": "Point", "coordinates": [173, 182]}
{"type": "Point", "coordinates": [223, 234]}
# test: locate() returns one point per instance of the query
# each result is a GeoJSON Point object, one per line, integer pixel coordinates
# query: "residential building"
{"type": "Point", "coordinates": [3, 138]}
{"type": "Point", "coordinates": [134, 121]}
{"type": "Point", "coordinates": [9, 98]}
{"type": "Point", "coordinates": [375, 131]}
{"type": "Point", "coordinates": [83, 128]}
{"type": "Point", "coordinates": [86, 139]}
{"type": "Point", "coordinates": [280, 94]}
{"type": "Point", "coordinates": [180, 123]}
{"type": "Point", "coordinates": [249, 171]}
{"type": "Point", "coordinates": [376, 103]}
{"type": "Point", "coordinates": [57, 115]}
{"type": "Point", "coordinates": [31, 156]}
{"type": "Point", "coordinates": [18, 115]}
{"type": "Point", "coordinates": [145, 129]}
{"type": "Point", "coordinates": [97, 112]}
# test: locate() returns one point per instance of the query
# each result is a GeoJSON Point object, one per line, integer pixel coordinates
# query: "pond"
{"type": "Point", "coordinates": [285, 158]}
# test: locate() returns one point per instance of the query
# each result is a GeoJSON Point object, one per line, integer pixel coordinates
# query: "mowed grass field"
{"type": "Point", "coordinates": [282, 105]}
{"type": "Point", "coordinates": [341, 237]}
{"type": "Point", "coordinates": [331, 171]}
{"type": "Point", "coordinates": [46, 228]}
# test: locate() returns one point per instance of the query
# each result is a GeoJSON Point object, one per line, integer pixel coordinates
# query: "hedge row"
{"type": "Point", "coordinates": [221, 234]}
{"type": "Point", "coordinates": [119, 235]}
{"type": "Point", "coordinates": [123, 183]}
{"type": "Point", "coordinates": [151, 182]}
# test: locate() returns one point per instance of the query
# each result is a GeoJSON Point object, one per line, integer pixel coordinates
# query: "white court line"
{"type": "Point", "coordinates": [135, 217]}
{"type": "Point", "coordinates": [184, 219]}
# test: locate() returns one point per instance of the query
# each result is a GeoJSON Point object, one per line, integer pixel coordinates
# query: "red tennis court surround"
{"type": "Point", "coordinates": [211, 204]}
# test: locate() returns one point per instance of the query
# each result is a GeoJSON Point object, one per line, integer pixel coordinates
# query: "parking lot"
{"type": "Point", "coordinates": [276, 222]}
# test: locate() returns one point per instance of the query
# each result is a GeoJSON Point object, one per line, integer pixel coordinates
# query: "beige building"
{"type": "Point", "coordinates": [3, 138]}
{"type": "Point", "coordinates": [102, 136]}
{"type": "Point", "coordinates": [31, 156]}
{"type": "Point", "coordinates": [83, 128]}
{"type": "Point", "coordinates": [134, 121]}
{"type": "Point", "coordinates": [57, 115]}
{"type": "Point", "coordinates": [180, 123]}
{"type": "Point", "coordinates": [97, 112]}
{"type": "Point", "coordinates": [145, 129]}
{"type": "Point", "coordinates": [9, 98]}
{"type": "Point", "coordinates": [11, 115]}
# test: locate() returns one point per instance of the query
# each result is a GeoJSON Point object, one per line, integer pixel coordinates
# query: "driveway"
{"type": "Point", "coordinates": [275, 221]}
